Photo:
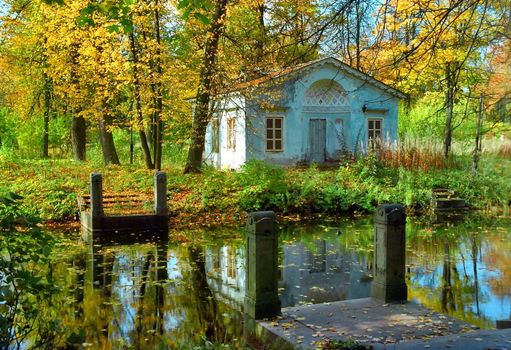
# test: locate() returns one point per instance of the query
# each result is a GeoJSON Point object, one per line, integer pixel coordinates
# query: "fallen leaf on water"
{"type": "Point", "coordinates": [287, 325]}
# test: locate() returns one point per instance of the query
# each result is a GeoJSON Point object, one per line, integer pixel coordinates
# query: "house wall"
{"type": "Point", "coordinates": [229, 107]}
{"type": "Point", "coordinates": [348, 125]}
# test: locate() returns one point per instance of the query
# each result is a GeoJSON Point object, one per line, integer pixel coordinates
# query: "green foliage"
{"type": "Point", "coordinates": [206, 344]}
{"type": "Point", "coordinates": [26, 281]}
{"type": "Point", "coordinates": [21, 138]}
{"type": "Point", "coordinates": [7, 130]}
{"type": "Point", "coordinates": [50, 187]}
{"type": "Point", "coordinates": [362, 185]}
{"type": "Point", "coordinates": [59, 137]}
{"type": "Point", "coordinates": [425, 119]}
{"type": "Point", "coordinates": [216, 189]}
{"type": "Point", "coordinates": [117, 11]}
{"type": "Point", "coordinates": [194, 8]}
{"type": "Point", "coordinates": [52, 199]}
{"type": "Point", "coordinates": [263, 186]}
{"type": "Point", "coordinates": [334, 344]}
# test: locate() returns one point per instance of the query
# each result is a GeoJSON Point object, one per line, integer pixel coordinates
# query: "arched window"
{"type": "Point", "coordinates": [326, 95]}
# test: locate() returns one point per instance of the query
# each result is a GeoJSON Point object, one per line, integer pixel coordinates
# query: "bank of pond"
{"type": "Point", "coordinates": [148, 292]}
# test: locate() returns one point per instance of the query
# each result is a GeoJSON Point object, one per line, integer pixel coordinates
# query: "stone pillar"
{"type": "Point", "coordinates": [96, 195]}
{"type": "Point", "coordinates": [389, 253]}
{"type": "Point", "coordinates": [160, 194]}
{"type": "Point", "coordinates": [261, 290]}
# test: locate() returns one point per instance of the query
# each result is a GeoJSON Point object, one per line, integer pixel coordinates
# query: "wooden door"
{"type": "Point", "coordinates": [317, 140]}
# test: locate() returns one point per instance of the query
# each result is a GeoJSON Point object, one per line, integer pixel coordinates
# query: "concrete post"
{"type": "Point", "coordinates": [160, 193]}
{"type": "Point", "coordinates": [389, 253]}
{"type": "Point", "coordinates": [96, 195]}
{"type": "Point", "coordinates": [261, 292]}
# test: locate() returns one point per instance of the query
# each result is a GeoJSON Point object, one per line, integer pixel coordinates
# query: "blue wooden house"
{"type": "Point", "coordinates": [310, 113]}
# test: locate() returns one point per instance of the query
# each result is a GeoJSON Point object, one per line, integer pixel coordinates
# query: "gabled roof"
{"type": "Point", "coordinates": [314, 64]}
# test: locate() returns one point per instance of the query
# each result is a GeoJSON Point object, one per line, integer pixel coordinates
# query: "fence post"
{"type": "Point", "coordinates": [96, 195]}
{"type": "Point", "coordinates": [389, 253]}
{"type": "Point", "coordinates": [261, 292]}
{"type": "Point", "coordinates": [160, 193]}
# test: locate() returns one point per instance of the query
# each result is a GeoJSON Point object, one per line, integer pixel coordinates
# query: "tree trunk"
{"type": "Point", "coordinates": [162, 276]}
{"type": "Point", "coordinates": [78, 126]}
{"type": "Point", "coordinates": [259, 46]}
{"type": "Point", "coordinates": [107, 141]}
{"type": "Point", "coordinates": [78, 137]}
{"type": "Point", "coordinates": [46, 116]}
{"type": "Point", "coordinates": [348, 38]}
{"type": "Point", "coordinates": [151, 130]}
{"type": "Point", "coordinates": [140, 120]}
{"type": "Point", "coordinates": [449, 106]}
{"type": "Point", "coordinates": [131, 145]}
{"type": "Point", "coordinates": [201, 115]}
{"type": "Point", "coordinates": [477, 147]}
{"type": "Point", "coordinates": [159, 90]}
{"type": "Point", "coordinates": [357, 33]}
{"type": "Point", "coordinates": [475, 270]}
{"type": "Point", "coordinates": [159, 143]}
{"type": "Point", "coordinates": [205, 301]}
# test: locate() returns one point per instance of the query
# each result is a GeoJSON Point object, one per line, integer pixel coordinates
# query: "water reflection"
{"type": "Point", "coordinates": [462, 269]}
{"type": "Point", "coordinates": [323, 270]}
{"type": "Point", "coordinates": [146, 295]}
{"type": "Point", "coordinates": [143, 294]}
{"type": "Point", "coordinates": [225, 266]}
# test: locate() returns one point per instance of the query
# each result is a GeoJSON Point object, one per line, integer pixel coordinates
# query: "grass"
{"type": "Point", "coordinates": [50, 187]}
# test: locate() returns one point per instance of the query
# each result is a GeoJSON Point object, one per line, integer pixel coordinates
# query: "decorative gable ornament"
{"type": "Point", "coordinates": [326, 96]}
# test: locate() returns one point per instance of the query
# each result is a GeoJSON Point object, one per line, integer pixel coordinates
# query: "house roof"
{"type": "Point", "coordinates": [313, 64]}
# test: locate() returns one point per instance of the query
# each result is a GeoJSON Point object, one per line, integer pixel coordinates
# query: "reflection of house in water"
{"type": "Point", "coordinates": [318, 273]}
{"type": "Point", "coordinates": [321, 273]}
{"type": "Point", "coordinates": [225, 269]}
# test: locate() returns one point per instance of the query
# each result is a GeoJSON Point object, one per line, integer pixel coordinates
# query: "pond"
{"type": "Point", "coordinates": [141, 295]}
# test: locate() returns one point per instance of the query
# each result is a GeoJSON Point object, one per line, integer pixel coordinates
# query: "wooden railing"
{"type": "Point", "coordinates": [121, 203]}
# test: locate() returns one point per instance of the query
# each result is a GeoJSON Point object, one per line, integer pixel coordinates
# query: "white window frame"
{"type": "Point", "coordinates": [370, 141]}
{"type": "Point", "coordinates": [274, 139]}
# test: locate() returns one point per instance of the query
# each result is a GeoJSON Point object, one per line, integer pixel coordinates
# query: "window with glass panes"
{"type": "Point", "coordinates": [274, 134]}
{"type": "Point", "coordinates": [231, 133]}
{"type": "Point", "coordinates": [374, 128]}
{"type": "Point", "coordinates": [215, 142]}
{"type": "Point", "coordinates": [231, 263]}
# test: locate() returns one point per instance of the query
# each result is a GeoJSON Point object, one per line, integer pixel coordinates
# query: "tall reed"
{"type": "Point", "coordinates": [411, 154]}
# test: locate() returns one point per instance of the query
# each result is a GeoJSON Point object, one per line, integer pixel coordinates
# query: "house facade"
{"type": "Point", "coordinates": [311, 113]}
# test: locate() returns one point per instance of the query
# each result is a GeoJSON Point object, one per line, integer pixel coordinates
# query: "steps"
{"type": "Point", "coordinates": [444, 199]}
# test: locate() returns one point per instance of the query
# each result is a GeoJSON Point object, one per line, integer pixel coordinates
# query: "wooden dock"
{"type": "Point", "coordinates": [97, 210]}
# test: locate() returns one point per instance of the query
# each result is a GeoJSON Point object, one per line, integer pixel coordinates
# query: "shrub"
{"type": "Point", "coordinates": [263, 186]}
